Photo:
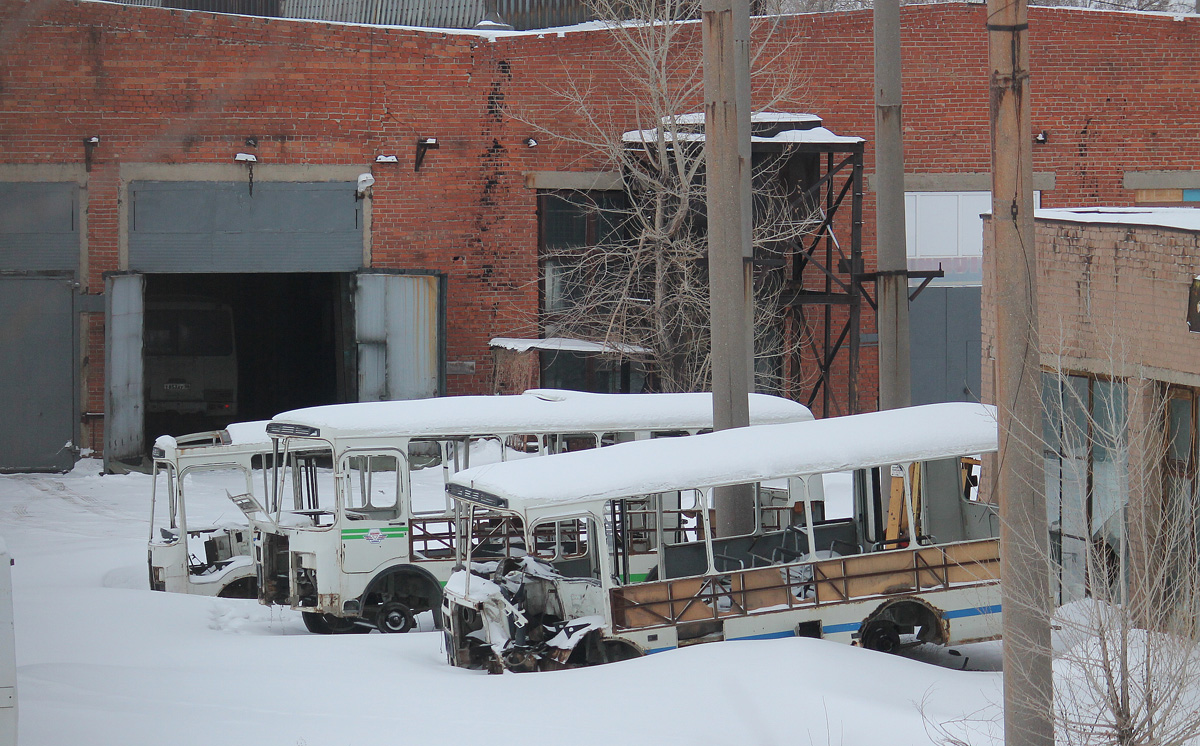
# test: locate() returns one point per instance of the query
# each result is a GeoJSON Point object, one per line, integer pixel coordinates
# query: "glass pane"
{"type": "Point", "coordinates": [165, 523]}
{"type": "Point", "coordinates": [1110, 460]}
{"type": "Point", "coordinates": [1179, 429]}
{"type": "Point", "coordinates": [372, 483]}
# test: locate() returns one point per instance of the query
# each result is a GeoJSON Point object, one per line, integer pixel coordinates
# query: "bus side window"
{"type": "Point", "coordinates": [372, 486]}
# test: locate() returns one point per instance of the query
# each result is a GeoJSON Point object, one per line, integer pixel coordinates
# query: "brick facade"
{"type": "Point", "coordinates": [1115, 92]}
{"type": "Point", "coordinates": [1112, 301]}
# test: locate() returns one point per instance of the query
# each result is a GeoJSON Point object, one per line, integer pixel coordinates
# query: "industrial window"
{"type": "Point", "coordinates": [944, 229]}
{"type": "Point", "coordinates": [1086, 459]}
{"type": "Point", "coordinates": [570, 222]}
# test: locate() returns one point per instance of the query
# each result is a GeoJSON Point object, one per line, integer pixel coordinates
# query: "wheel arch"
{"type": "Point", "coordinates": [911, 611]}
{"type": "Point", "coordinates": [418, 582]}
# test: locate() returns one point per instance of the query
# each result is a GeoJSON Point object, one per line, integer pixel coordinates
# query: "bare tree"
{"type": "Point", "coordinates": [1120, 481]}
{"type": "Point", "coordinates": [1127, 664]}
{"type": "Point", "coordinates": [641, 286]}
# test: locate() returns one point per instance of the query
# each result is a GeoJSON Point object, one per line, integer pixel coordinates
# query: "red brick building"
{"type": "Point", "coordinates": [121, 129]}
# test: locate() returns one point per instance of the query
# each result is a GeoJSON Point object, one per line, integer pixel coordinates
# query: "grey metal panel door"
{"type": "Point", "coordinates": [38, 226]}
{"type": "Point", "coordinates": [398, 327]}
{"type": "Point", "coordinates": [37, 373]}
{"type": "Point", "coordinates": [124, 420]}
{"type": "Point", "coordinates": [225, 227]}
{"type": "Point", "coordinates": [945, 334]}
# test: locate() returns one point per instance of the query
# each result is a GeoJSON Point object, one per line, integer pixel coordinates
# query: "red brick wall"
{"type": "Point", "coordinates": [1114, 91]}
{"type": "Point", "coordinates": [1112, 300]}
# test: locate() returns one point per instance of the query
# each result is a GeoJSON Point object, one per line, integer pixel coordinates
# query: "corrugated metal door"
{"type": "Point", "coordinates": [399, 323]}
{"type": "Point", "coordinates": [124, 422]}
{"type": "Point", "coordinates": [184, 226]}
{"type": "Point", "coordinates": [39, 257]}
{"type": "Point", "coordinates": [944, 327]}
{"type": "Point", "coordinates": [37, 373]}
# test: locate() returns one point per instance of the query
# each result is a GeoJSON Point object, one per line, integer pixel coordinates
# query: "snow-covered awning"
{"type": "Point", "coordinates": [562, 344]}
{"type": "Point", "coordinates": [765, 127]}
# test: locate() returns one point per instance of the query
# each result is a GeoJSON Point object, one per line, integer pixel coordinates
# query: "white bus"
{"type": "Point", "coordinates": [205, 559]}
{"type": "Point", "coordinates": [561, 598]}
{"type": "Point", "coordinates": [358, 532]}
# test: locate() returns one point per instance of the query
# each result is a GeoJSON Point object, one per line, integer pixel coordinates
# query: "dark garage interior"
{"type": "Point", "coordinates": [291, 334]}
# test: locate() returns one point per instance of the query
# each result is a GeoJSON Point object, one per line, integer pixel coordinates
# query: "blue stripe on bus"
{"type": "Point", "coordinates": [974, 611]}
{"type": "Point", "coordinates": [832, 629]}
{"type": "Point", "coordinates": [767, 636]}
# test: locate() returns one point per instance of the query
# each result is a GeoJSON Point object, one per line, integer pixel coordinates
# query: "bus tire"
{"type": "Point", "coordinates": [413, 587]}
{"type": "Point", "coordinates": [394, 618]}
{"type": "Point", "coordinates": [881, 635]}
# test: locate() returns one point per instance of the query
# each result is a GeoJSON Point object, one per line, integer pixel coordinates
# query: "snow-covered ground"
{"type": "Point", "coordinates": [103, 660]}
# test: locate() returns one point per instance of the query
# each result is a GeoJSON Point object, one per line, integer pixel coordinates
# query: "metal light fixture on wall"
{"type": "Point", "coordinates": [89, 146]}
{"type": "Point", "coordinates": [248, 159]}
{"type": "Point", "coordinates": [424, 144]}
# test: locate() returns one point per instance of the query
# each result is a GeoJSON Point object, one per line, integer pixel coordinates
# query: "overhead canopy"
{"type": "Point", "coordinates": [563, 344]}
{"type": "Point", "coordinates": [536, 410]}
{"type": "Point", "coordinates": [737, 456]}
{"type": "Point", "coordinates": [765, 127]}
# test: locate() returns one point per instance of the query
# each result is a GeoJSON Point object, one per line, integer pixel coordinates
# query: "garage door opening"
{"type": "Point", "coordinates": [221, 348]}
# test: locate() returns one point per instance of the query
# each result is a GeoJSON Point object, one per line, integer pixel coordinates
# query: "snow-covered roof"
{"type": "Point", "coordinates": [805, 129]}
{"type": "Point", "coordinates": [563, 344]}
{"type": "Point", "coordinates": [536, 410]}
{"type": "Point", "coordinates": [737, 456]}
{"type": "Point", "coordinates": [236, 437]}
{"type": "Point", "coordinates": [1179, 218]}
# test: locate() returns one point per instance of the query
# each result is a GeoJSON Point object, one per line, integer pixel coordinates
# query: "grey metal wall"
{"type": "Point", "coordinates": [229, 227]}
{"type": "Point", "coordinates": [944, 327]}
{"type": "Point", "coordinates": [400, 328]}
{"type": "Point", "coordinates": [38, 392]}
{"type": "Point", "coordinates": [521, 14]}
{"type": "Point", "coordinates": [39, 260]}
{"type": "Point", "coordinates": [125, 401]}
{"type": "Point", "coordinates": [38, 226]}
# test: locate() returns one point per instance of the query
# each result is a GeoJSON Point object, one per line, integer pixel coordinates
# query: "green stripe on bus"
{"type": "Point", "coordinates": [361, 533]}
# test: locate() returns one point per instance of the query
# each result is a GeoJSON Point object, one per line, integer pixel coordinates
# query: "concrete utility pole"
{"type": "Point", "coordinates": [1024, 538]}
{"type": "Point", "coordinates": [726, 35]}
{"type": "Point", "coordinates": [891, 318]}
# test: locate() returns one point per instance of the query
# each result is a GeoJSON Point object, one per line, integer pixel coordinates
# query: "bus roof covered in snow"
{"type": "Point", "coordinates": [737, 456]}
{"type": "Point", "coordinates": [237, 436]}
{"type": "Point", "coordinates": [536, 410]}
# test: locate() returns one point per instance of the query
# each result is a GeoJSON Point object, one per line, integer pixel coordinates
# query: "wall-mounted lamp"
{"type": "Point", "coordinates": [249, 160]}
{"type": "Point", "coordinates": [89, 145]}
{"type": "Point", "coordinates": [1042, 137]}
{"type": "Point", "coordinates": [530, 142]}
{"type": "Point", "coordinates": [386, 159]}
{"type": "Point", "coordinates": [424, 144]}
{"type": "Point", "coordinates": [365, 181]}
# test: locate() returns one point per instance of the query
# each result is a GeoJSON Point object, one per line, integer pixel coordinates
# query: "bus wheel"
{"type": "Point", "coordinates": [346, 625]}
{"type": "Point", "coordinates": [881, 635]}
{"type": "Point", "coordinates": [328, 624]}
{"type": "Point", "coordinates": [394, 617]}
{"type": "Point", "coordinates": [316, 623]}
